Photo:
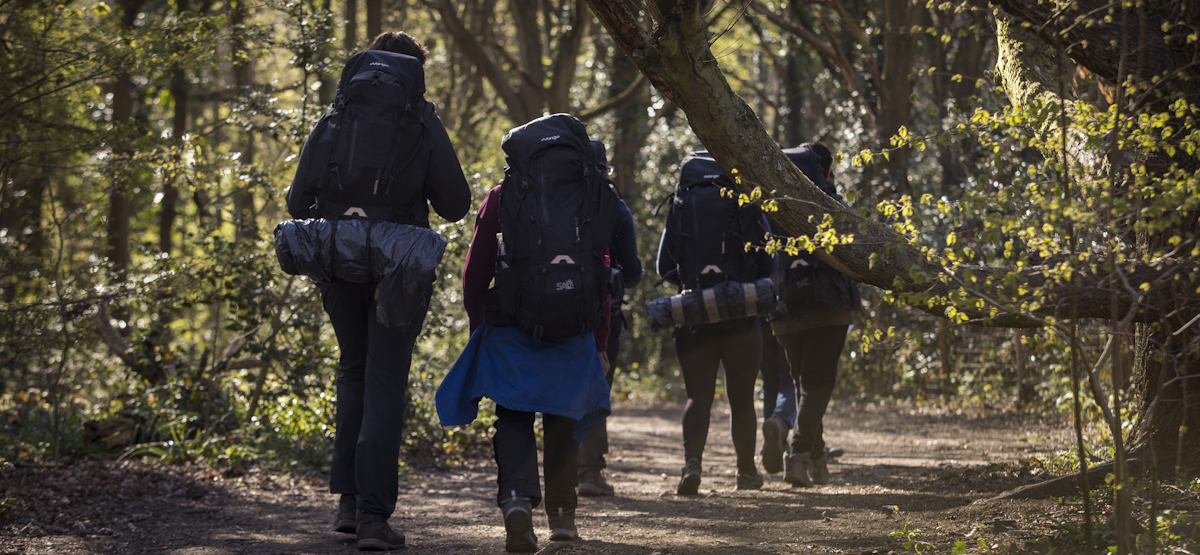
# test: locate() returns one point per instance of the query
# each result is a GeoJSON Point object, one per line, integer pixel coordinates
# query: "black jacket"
{"type": "Point", "coordinates": [445, 186]}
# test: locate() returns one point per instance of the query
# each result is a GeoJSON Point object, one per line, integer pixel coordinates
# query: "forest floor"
{"type": "Point", "coordinates": [941, 470]}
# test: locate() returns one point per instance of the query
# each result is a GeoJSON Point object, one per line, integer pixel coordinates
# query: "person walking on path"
{"type": "Point", "coordinates": [703, 245]}
{"type": "Point", "coordinates": [626, 273]}
{"type": "Point", "coordinates": [537, 335]}
{"type": "Point", "coordinates": [374, 359]}
{"type": "Point", "coordinates": [820, 304]}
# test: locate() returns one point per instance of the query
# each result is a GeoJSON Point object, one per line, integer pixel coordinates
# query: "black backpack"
{"type": "Point", "coordinates": [371, 142]}
{"type": "Point", "coordinates": [710, 229]}
{"type": "Point", "coordinates": [809, 285]}
{"type": "Point", "coordinates": [557, 217]}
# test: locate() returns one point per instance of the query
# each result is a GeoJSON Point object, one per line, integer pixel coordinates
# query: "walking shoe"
{"type": "Point", "coordinates": [592, 484]}
{"type": "Point", "coordinates": [774, 429]}
{"type": "Point", "coordinates": [689, 484]}
{"type": "Point", "coordinates": [518, 524]}
{"type": "Point", "coordinates": [749, 480]}
{"type": "Point", "coordinates": [374, 534]}
{"type": "Point", "coordinates": [346, 520]}
{"type": "Point", "coordinates": [562, 526]}
{"type": "Point", "coordinates": [796, 472]}
{"type": "Point", "coordinates": [818, 468]}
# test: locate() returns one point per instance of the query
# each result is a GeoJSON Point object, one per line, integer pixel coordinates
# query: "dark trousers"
{"type": "Point", "coordinates": [515, 449]}
{"type": "Point", "coordinates": [701, 351]}
{"type": "Point", "coordinates": [595, 444]}
{"type": "Point", "coordinates": [813, 355]}
{"type": "Point", "coordinates": [372, 394]}
{"type": "Point", "coordinates": [777, 379]}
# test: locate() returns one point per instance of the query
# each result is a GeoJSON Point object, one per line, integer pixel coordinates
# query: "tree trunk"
{"type": "Point", "coordinates": [629, 118]}
{"type": "Point", "coordinates": [374, 19]}
{"type": "Point", "coordinates": [1166, 376]}
{"type": "Point", "coordinates": [562, 72]}
{"type": "Point", "coordinates": [180, 95]}
{"type": "Point", "coordinates": [1021, 364]}
{"type": "Point", "coordinates": [473, 48]}
{"type": "Point", "coordinates": [529, 55]}
{"type": "Point", "coordinates": [795, 96]}
{"type": "Point", "coordinates": [350, 22]}
{"type": "Point", "coordinates": [244, 213]}
{"type": "Point", "coordinates": [119, 203]}
{"type": "Point", "coordinates": [895, 110]}
{"type": "Point", "coordinates": [947, 366]}
{"type": "Point", "coordinates": [328, 80]}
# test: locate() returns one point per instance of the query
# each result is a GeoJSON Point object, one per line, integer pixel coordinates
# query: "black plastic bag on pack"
{"type": "Point", "coordinates": [304, 250]}
{"type": "Point", "coordinates": [405, 262]}
{"type": "Point", "coordinates": [724, 301]}
{"type": "Point", "coordinates": [401, 259]}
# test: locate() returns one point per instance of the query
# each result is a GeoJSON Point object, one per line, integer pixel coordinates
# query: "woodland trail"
{"type": "Point", "coordinates": [940, 470]}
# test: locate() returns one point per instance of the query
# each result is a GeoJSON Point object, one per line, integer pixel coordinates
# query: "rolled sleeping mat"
{"type": "Point", "coordinates": [729, 300]}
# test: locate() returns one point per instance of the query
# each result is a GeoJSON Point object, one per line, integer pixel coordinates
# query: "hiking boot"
{"type": "Point", "coordinates": [818, 468]}
{"type": "Point", "coordinates": [374, 534]}
{"type": "Point", "coordinates": [346, 520]}
{"type": "Point", "coordinates": [796, 472]}
{"type": "Point", "coordinates": [689, 484]}
{"type": "Point", "coordinates": [774, 429]}
{"type": "Point", "coordinates": [518, 524]}
{"type": "Point", "coordinates": [562, 526]}
{"type": "Point", "coordinates": [592, 484]}
{"type": "Point", "coordinates": [749, 480]}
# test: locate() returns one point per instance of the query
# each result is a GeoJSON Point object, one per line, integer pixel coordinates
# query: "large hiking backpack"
{"type": "Point", "coordinates": [710, 229]}
{"type": "Point", "coordinates": [809, 285]}
{"type": "Point", "coordinates": [372, 141]}
{"type": "Point", "coordinates": [557, 217]}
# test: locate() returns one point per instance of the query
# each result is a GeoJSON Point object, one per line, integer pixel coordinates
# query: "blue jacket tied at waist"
{"type": "Point", "coordinates": [521, 373]}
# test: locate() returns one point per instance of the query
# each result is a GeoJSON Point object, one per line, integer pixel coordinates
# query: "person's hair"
{"type": "Point", "coordinates": [400, 43]}
{"type": "Point", "coordinates": [823, 155]}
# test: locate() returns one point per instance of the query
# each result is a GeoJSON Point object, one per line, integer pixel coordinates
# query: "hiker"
{"type": "Point", "coordinates": [405, 162]}
{"type": "Point", "coordinates": [820, 304]}
{"type": "Point", "coordinates": [626, 273]}
{"type": "Point", "coordinates": [537, 335]}
{"type": "Point", "coordinates": [704, 245]}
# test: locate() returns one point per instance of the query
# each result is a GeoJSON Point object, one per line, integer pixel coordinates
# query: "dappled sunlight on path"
{"type": "Point", "coordinates": [932, 467]}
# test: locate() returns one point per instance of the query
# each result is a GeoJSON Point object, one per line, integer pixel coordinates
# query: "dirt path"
{"type": "Point", "coordinates": [935, 468]}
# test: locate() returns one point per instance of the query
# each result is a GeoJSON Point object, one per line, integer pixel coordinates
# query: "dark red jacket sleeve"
{"type": "Point", "coordinates": [601, 333]}
{"type": "Point", "coordinates": [480, 266]}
